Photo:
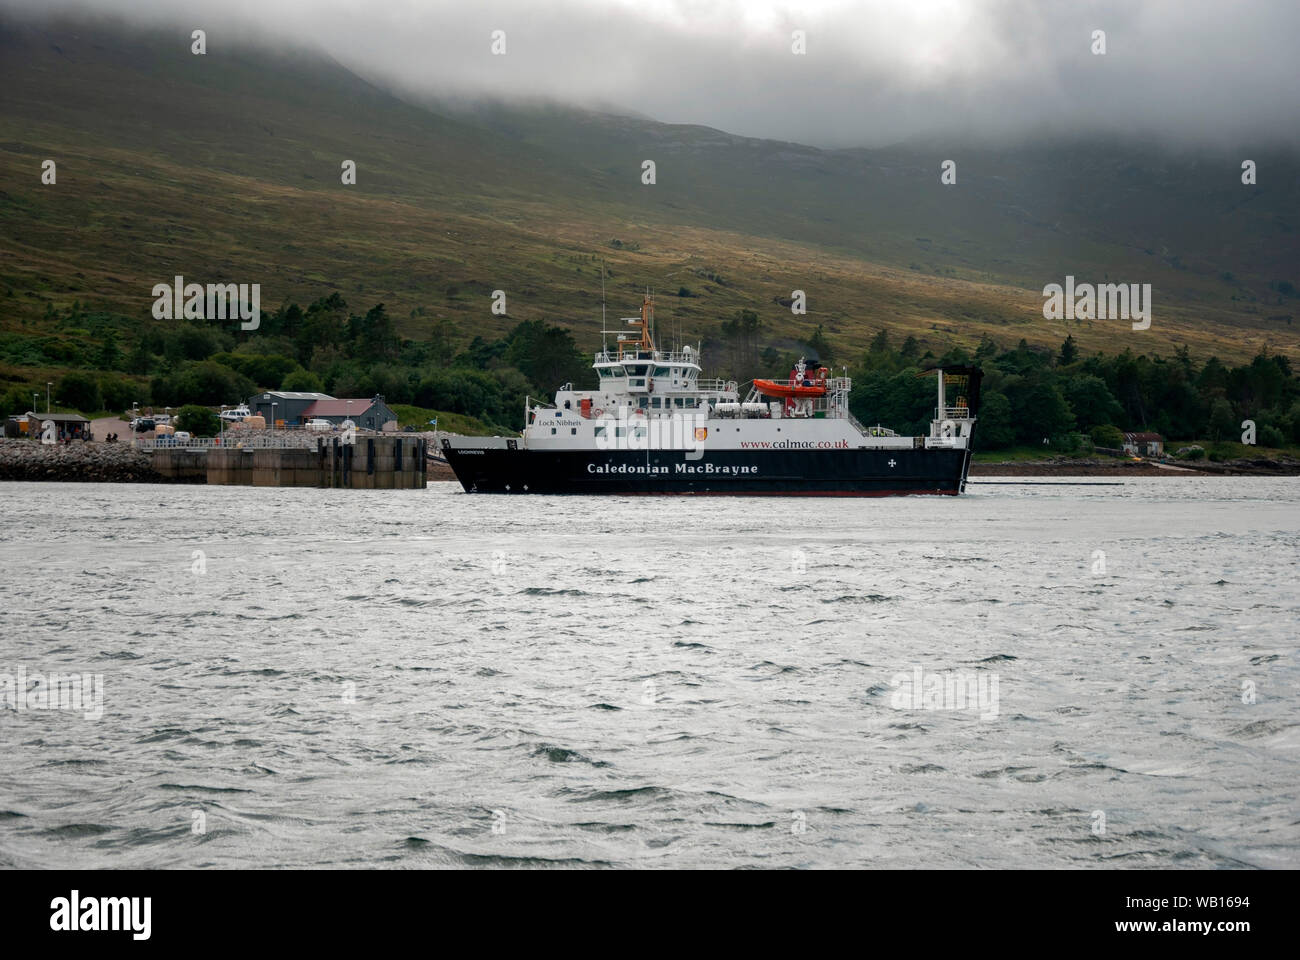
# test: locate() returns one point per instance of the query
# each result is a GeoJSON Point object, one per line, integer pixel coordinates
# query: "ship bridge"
{"type": "Point", "coordinates": [637, 379]}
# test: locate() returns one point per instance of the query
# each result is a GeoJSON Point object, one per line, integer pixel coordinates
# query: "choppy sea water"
{"type": "Point", "coordinates": [429, 679]}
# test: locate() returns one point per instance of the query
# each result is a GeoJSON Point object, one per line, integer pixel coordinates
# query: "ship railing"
{"type": "Point", "coordinates": [680, 356]}
{"type": "Point", "coordinates": [716, 386]}
{"type": "Point", "coordinates": [658, 356]}
{"type": "Point", "coordinates": [952, 413]}
{"type": "Point", "coordinates": [626, 356]}
{"type": "Point", "coordinates": [876, 431]}
{"type": "Point", "coordinates": [830, 383]}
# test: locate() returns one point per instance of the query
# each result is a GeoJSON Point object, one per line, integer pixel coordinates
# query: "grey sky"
{"type": "Point", "coordinates": [1222, 73]}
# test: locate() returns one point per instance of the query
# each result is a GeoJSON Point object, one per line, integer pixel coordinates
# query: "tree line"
{"type": "Point", "coordinates": [323, 348]}
{"type": "Point", "coordinates": [1033, 394]}
{"type": "Point", "coordinates": [1030, 394]}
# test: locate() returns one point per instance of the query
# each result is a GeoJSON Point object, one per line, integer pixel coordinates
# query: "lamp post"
{"type": "Point", "coordinates": [221, 427]}
{"type": "Point", "coordinates": [48, 384]}
{"type": "Point", "coordinates": [273, 417]}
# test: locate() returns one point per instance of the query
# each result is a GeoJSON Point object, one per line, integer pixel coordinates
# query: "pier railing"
{"type": "Point", "coordinates": [286, 440]}
{"type": "Point", "coordinates": [279, 442]}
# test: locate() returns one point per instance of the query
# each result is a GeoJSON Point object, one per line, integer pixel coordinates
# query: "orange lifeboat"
{"type": "Point", "coordinates": [788, 390]}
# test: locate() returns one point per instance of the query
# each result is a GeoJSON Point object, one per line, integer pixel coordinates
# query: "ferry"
{"type": "Point", "coordinates": [655, 426]}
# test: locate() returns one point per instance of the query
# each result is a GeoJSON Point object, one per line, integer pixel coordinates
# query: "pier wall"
{"type": "Point", "coordinates": [371, 463]}
{"type": "Point", "coordinates": [181, 464]}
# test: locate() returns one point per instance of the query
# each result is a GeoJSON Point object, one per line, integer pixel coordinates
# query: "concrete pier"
{"type": "Point", "coordinates": [370, 463]}
{"type": "Point", "coordinates": [230, 466]}
{"type": "Point", "coordinates": [181, 464]}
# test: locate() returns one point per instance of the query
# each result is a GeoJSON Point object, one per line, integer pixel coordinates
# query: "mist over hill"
{"type": "Point", "coordinates": [225, 167]}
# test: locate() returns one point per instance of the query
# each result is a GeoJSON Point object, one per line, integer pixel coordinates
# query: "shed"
{"type": "Point", "coordinates": [1144, 444]}
{"type": "Point", "coordinates": [288, 405]}
{"type": "Point", "coordinates": [369, 414]}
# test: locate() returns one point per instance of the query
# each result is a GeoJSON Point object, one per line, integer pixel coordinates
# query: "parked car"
{"type": "Point", "coordinates": [180, 435]}
{"type": "Point", "coordinates": [142, 424]}
{"type": "Point", "coordinates": [319, 425]}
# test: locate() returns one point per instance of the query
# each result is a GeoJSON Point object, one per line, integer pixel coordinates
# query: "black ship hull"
{"type": "Point", "coordinates": [829, 473]}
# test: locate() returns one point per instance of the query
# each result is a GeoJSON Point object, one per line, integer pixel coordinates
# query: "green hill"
{"type": "Point", "coordinates": [226, 168]}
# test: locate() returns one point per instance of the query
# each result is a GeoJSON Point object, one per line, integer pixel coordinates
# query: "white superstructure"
{"type": "Point", "coordinates": [656, 399]}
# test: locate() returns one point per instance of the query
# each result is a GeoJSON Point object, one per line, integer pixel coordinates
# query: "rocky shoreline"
{"type": "Point", "coordinates": [1110, 467]}
{"type": "Point", "coordinates": [76, 462]}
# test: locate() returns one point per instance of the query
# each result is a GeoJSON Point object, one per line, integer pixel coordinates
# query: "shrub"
{"type": "Point", "coordinates": [80, 391]}
{"type": "Point", "coordinates": [119, 393]}
{"type": "Point", "coordinates": [1107, 435]}
{"type": "Point", "coordinates": [302, 381]}
{"type": "Point", "coordinates": [205, 382]}
{"type": "Point", "coordinates": [199, 421]}
{"type": "Point", "coordinates": [16, 400]}
{"type": "Point", "coordinates": [1271, 436]}
{"type": "Point", "coordinates": [265, 370]}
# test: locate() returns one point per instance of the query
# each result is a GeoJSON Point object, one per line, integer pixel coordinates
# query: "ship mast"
{"type": "Point", "coordinates": [604, 347]}
{"type": "Point", "coordinates": [645, 340]}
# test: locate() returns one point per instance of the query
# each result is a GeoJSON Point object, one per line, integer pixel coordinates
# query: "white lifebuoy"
{"type": "Point", "coordinates": [598, 412]}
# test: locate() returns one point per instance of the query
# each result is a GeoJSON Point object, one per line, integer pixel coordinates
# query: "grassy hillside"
{"type": "Point", "coordinates": [419, 417]}
{"type": "Point", "coordinates": [225, 168]}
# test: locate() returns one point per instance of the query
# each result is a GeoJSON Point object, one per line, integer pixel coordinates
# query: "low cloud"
{"type": "Point", "coordinates": [874, 73]}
